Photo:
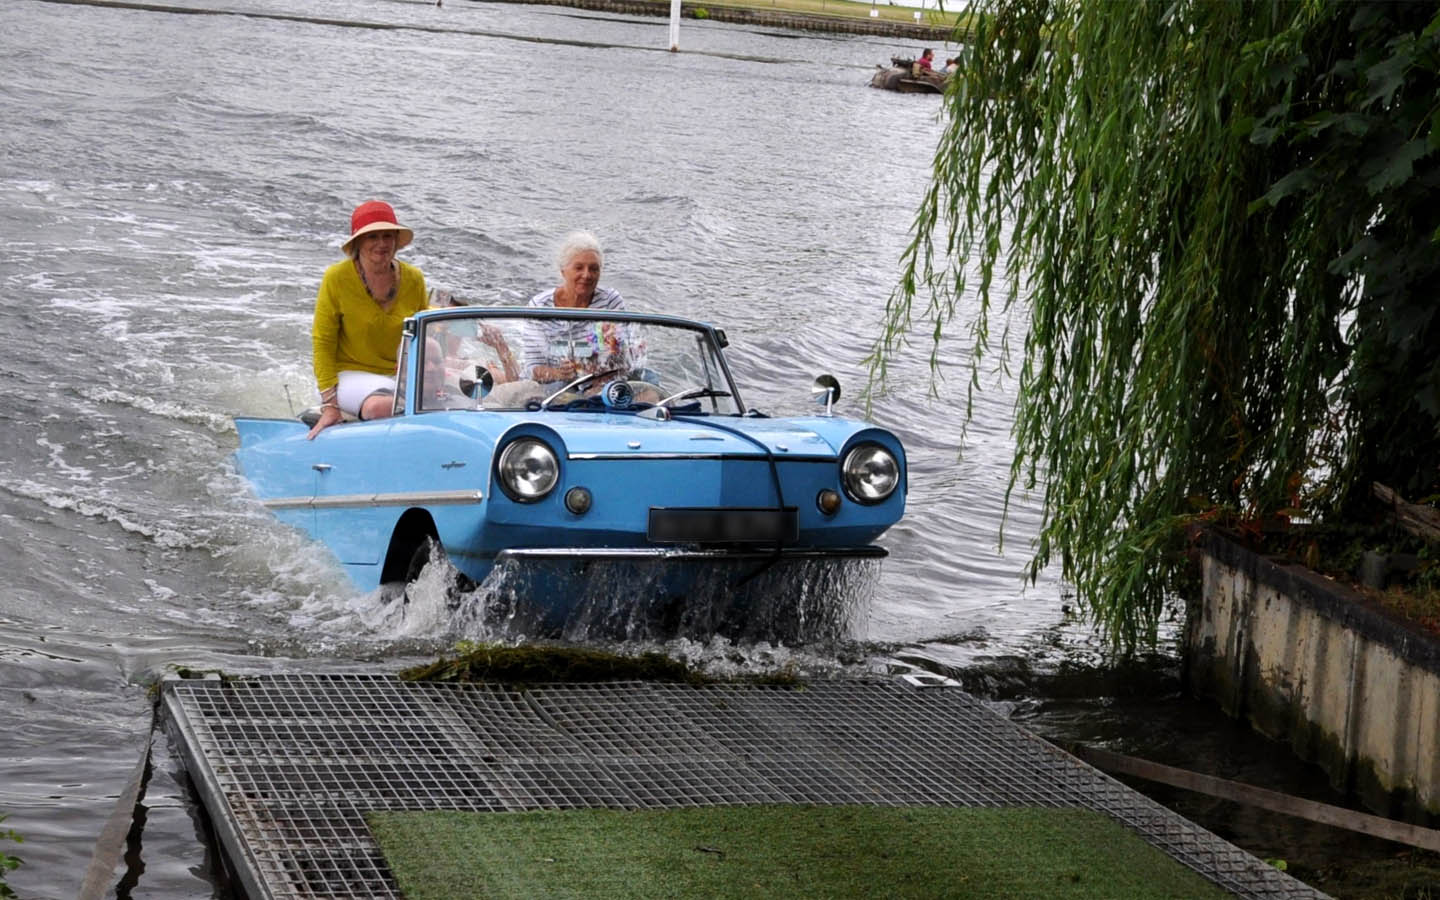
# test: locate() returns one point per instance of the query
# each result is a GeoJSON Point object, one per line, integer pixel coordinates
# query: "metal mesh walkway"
{"type": "Point", "coordinates": [287, 765]}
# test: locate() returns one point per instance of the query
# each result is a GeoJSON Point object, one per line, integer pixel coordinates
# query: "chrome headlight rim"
{"type": "Point", "coordinates": [856, 469]}
{"type": "Point", "coordinates": [527, 470]}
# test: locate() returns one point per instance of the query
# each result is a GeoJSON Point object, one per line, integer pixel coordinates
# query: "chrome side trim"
{"type": "Point", "coordinates": [655, 456]}
{"type": "Point", "coordinates": [343, 501]}
{"type": "Point", "coordinates": [287, 503]}
{"type": "Point", "coordinates": [537, 554]}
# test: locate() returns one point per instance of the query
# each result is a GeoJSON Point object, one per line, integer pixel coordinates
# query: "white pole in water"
{"type": "Point", "coordinates": [674, 25]}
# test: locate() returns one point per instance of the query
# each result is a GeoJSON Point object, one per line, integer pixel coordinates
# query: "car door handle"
{"type": "Point", "coordinates": [321, 467]}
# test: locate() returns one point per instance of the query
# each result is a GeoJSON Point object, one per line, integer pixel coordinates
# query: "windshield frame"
{"type": "Point", "coordinates": [416, 328]}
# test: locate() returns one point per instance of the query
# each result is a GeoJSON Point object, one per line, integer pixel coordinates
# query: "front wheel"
{"type": "Point", "coordinates": [429, 548]}
{"type": "Point", "coordinates": [431, 551]}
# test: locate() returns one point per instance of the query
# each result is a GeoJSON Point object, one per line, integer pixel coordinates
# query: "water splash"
{"type": "Point", "coordinates": [795, 602]}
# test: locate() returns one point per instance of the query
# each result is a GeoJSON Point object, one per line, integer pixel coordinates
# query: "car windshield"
{"type": "Point", "coordinates": [479, 360]}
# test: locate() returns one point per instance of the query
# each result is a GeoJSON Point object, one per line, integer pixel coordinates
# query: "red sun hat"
{"type": "Point", "coordinates": [376, 215]}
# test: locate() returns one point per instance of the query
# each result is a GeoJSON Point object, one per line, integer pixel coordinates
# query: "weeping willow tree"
{"type": "Point", "coordinates": [1218, 222]}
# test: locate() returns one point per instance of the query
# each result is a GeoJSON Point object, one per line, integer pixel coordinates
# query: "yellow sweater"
{"type": "Point", "coordinates": [351, 331]}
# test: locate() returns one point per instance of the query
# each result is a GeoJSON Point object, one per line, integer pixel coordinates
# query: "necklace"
{"type": "Point", "coordinates": [394, 283]}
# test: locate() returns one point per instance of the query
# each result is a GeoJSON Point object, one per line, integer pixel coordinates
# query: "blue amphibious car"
{"type": "Point", "coordinates": [558, 438]}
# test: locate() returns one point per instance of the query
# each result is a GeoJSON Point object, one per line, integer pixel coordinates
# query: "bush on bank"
{"type": "Point", "coordinates": [1216, 225]}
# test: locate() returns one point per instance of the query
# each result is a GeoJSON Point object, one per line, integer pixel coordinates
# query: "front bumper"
{"type": "Point", "coordinates": [670, 554]}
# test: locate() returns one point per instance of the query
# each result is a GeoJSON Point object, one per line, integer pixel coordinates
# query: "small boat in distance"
{"type": "Point", "coordinates": [907, 77]}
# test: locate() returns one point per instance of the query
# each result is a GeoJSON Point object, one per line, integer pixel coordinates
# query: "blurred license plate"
{"type": "Point", "coordinates": [723, 526]}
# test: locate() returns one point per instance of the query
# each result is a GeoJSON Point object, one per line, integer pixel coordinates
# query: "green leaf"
{"type": "Point", "coordinates": [1298, 181]}
{"type": "Point", "coordinates": [1385, 78]}
{"type": "Point", "coordinates": [1433, 28]}
{"type": "Point", "coordinates": [1287, 70]}
{"type": "Point", "coordinates": [1263, 135]}
{"type": "Point", "coordinates": [1399, 166]}
{"type": "Point", "coordinates": [1364, 246]}
{"type": "Point", "coordinates": [1348, 123]}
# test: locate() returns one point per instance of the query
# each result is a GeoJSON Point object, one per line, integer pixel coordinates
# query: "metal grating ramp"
{"type": "Point", "coordinates": [287, 765]}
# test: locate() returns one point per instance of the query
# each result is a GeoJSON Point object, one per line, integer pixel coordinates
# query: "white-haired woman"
{"type": "Point", "coordinates": [580, 260]}
{"type": "Point", "coordinates": [359, 309]}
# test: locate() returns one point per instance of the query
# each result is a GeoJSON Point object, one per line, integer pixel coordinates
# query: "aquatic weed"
{"type": "Point", "coordinates": [8, 863]}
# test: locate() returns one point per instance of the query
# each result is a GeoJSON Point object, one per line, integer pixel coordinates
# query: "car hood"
{"type": "Point", "coordinates": [623, 435]}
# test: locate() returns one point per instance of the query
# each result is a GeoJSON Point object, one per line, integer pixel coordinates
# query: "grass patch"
{"type": "Point", "coordinates": [860, 10]}
{"type": "Point", "coordinates": [802, 851]}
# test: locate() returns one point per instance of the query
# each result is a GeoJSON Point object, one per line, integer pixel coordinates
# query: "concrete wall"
{"type": "Point", "coordinates": [1308, 661]}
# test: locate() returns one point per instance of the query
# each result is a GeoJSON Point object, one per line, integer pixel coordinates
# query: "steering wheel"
{"type": "Point", "coordinates": [580, 382]}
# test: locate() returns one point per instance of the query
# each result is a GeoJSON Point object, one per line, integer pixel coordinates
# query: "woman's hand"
{"type": "Point", "coordinates": [329, 415]}
{"type": "Point", "coordinates": [491, 335]}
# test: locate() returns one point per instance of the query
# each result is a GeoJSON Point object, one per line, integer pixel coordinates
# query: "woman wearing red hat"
{"type": "Point", "coordinates": [363, 301]}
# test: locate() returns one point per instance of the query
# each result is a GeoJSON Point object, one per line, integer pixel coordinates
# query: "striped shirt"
{"type": "Point", "coordinates": [552, 343]}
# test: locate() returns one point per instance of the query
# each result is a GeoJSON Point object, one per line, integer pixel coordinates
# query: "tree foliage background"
{"type": "Point", "coordinates": [1223, 219]}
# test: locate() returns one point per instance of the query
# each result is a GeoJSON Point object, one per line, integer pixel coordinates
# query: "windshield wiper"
{"type": "Point", "coordinates": [691, 394]}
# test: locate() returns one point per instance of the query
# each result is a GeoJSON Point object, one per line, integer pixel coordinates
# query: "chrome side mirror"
{"type": "Point", "coordinates": [826, 391]}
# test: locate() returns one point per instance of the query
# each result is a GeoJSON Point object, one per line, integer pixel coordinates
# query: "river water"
{"type": "Point", "coordinates": [172, 187]}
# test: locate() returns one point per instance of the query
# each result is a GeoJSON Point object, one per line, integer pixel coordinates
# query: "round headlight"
{"type": "Point", "coordinates": [528, 470]}
{"type": "Point", "coordinates": [870, 473]}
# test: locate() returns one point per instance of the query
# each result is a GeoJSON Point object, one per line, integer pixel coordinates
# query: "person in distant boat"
{"type": "Point", "coordinates": [926, 62]}
{"type": "Point", "coordinates": [951, 65]}
{"type": "Point", "coordinates": [361, 304]}
{"type": "Point", "coordinates": [559, 352]}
